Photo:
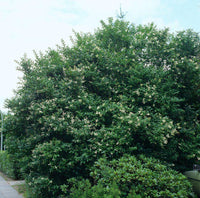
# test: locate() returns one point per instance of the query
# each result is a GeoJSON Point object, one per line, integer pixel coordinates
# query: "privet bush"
{"type": "Point", "coordinates": [124, 89]}
{"type": "Point", "coordinates": [146, 176]}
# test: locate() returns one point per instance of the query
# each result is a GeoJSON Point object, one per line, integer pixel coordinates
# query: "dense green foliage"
{"type": "Point", "coordinates": [125, 89]}
{"type": "Point", "coordinates": [83, 189]}
{"type": "Point", "coordinates": [6, 165]}
{"type": "Point", "coordinates": [146, 176]}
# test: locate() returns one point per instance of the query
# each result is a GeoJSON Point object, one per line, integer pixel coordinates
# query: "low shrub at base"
{"type": "Point", "coordinates": [84, 189]}
{"type": "Point", "coordinates": [146, 176]}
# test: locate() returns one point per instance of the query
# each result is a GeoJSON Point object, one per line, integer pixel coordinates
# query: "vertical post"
{"type": "Point", "coordinates": [1, 131]}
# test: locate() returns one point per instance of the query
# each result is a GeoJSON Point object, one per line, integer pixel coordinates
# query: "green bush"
{"type": "Point", "coordinates": [125, 89]}
{"type": "Point", "coordinates": [41, 186]}
{"type": "Point", "coordinates": [50, 166]}
{"type": "Point", "coordinates": [84, 189]}
{"type": "Point", "coordinates": [146, 176]}
{"type": "Point", "coordinates": [6, 164]}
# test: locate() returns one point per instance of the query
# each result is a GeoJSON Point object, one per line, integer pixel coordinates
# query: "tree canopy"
{"type": "Point", "coordinates": [125, 89]}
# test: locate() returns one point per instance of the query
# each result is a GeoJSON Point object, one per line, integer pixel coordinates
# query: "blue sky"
{"type": "Point", "coordinates": [28, 25]}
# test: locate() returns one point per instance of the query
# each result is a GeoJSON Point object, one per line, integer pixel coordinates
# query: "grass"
{"type": "Point", "coordinates": [21, 189]}
{"type": "Point", "coordinates": [6, 177]}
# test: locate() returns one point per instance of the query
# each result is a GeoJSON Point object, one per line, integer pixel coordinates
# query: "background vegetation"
{"type": "Point", "coordinates": [122, 102]}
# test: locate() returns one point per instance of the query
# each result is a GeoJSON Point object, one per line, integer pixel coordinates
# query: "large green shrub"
{"type": "Point", "coordinates": [124, 89]}
{"type": "Point", "coordinates": [146, 176]}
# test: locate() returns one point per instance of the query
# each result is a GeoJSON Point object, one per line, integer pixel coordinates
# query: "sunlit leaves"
{"type": "Point", "coordinates": [123, 89]}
